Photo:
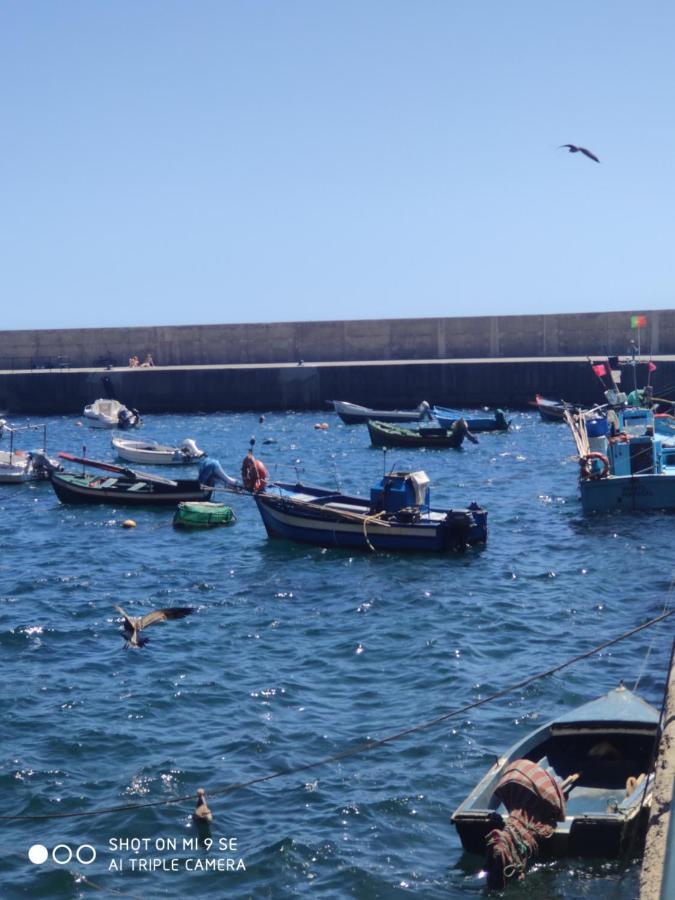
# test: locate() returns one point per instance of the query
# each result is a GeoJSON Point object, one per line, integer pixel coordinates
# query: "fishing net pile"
{"type": "Point", "coordinates": [535, 804]}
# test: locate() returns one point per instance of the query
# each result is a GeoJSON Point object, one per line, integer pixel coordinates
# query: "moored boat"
{"type": "Point", "coordinates": [387, 434]}
{"type": "Point", "coordinates": [624, 462]}
{"type": "Point", "coordinates": [123, 486]}
{"type": "Point", "coordinates": [551, 410]}
{"type": "Point", "coordinates": [108, 413]}
{"type": "Point", "coordinates": [18, 466]}
{"type": "Point", "coordinates": [598, 755]}
{"type": "Point", "coordinates": [353, 414]}
{"type": "Point", "coordinates": [446, 418]}
{"type": "Point", "coordinates": [397, 517]}
{"type": "Point", "coordinates": [152, 453]}
{"type": "Point", "coordinates": [120, 490]}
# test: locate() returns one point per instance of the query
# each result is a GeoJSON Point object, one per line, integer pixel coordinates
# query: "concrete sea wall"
{"type": "Point", "coordinates": [479, 337]}
{"type": "Point", "coordinates": [471, 361]}
{"type": "Point", "coordinates": [510, 384]}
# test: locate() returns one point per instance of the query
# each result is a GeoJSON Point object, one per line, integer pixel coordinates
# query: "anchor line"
{"type": "Point", "coordinates": [364, 747]}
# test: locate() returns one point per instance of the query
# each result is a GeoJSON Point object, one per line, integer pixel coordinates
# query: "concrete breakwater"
{"type": "Point", "coordinates": [509, 383]}
{"type": "Point", "coordinates": [452, 337]}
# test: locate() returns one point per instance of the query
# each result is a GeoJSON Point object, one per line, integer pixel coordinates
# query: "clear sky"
{"type": "Point", "coordinates": [202, 161]}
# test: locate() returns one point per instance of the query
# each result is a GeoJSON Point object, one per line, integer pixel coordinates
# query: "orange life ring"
{"type": "Point", "coordinates": [586, 463]}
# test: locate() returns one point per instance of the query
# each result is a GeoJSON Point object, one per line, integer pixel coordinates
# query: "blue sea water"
{"type": "Point", "coordinates": [295, 654]}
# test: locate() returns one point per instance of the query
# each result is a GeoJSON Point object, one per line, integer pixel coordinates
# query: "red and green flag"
{"type": "Point", "coordinates": [638, 321]}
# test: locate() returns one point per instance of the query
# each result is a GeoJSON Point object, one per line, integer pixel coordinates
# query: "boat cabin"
{"type": "Point", "coordinates": [400, 490]}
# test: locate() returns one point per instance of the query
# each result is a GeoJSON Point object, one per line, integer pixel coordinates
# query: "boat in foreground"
{"type": "Point", "coordinates": [353, 414]}
{"type": "Point", "coordinates": [446, 418]}
{"type": "Point", "coordinates": [152, 453]}
{"type": "Point", "coordinates": [396, 517]}
{"type": "Point", "coordinates": [106, 413]}
{"type": "Point", "coordinates": [599, 755]}
{"type": "Point", "coordinates": [387, 434]}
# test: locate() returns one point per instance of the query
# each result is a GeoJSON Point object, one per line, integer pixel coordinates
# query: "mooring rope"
{"type": "Point", "coordinates": [353, 751]}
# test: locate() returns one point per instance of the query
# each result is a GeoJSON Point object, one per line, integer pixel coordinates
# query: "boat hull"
{"type": "Point", "coordinates": [631, 493]}
{"type": "Point", "coordinates": [307, 522]}
{"type": "Point", "coordinates": [551, 410]}
{"type": "Point", "coordinates": [152, 456]}
{"type": "Point", "coordinates": [446, 418]}
{"type": "Point", "coordinates": [122, 492]}
{"type": "Point", "coordinates": [604, 743]}
{"type": "Point", "coordinates": [382, 436]}
{"type": "Point", "coordinates": [353, 414]}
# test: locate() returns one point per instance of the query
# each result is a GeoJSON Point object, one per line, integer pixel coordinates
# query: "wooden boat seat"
{"type": "Point", "coordinates": [109, 482]}
{"type": "Point", "coordinates": [138, 486]}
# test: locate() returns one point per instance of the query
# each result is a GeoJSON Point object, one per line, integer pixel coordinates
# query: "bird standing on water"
{"type": "Point", "coordinates": [572, 148]}
{"type": "Point", "coordinates": [133, 625]}
{"type": "Point", "coordinates": [202, 813]}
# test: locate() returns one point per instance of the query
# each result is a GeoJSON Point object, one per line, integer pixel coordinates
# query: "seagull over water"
{"type": "Point", "coordinates": [133, 625]}
{"type": "Point", "coordinates": [572, 148]}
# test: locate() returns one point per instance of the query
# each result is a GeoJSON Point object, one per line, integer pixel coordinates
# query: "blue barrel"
{"type": "Point", "coordinates": [596, 427]}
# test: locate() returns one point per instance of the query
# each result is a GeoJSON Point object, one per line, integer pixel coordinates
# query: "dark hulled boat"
{"type": "Point", "coordinates": [397, 517]}
{"type": "Point", "coordinates": [123, 490]}
{"type": "Point", "coordinates": [386, 434]}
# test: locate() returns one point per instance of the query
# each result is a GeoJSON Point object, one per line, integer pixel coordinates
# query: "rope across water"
{"type": "Point", "coordinates": [353, 751]}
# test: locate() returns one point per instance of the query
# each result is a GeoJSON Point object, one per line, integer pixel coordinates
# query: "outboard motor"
{"type": "Point", "coordinates": [190, 450]}
{"type": "Point", "coordinates": [43, 465]}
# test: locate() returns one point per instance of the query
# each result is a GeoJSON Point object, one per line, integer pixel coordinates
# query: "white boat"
{"type": "Point", "coordinates": [353, 414]}
{"type": "Point", "coordinates": [151, 453]}
{"type": "Point", "coordinates": [106, 413]}
{"type": "Point", "coordinates": [18, 466]}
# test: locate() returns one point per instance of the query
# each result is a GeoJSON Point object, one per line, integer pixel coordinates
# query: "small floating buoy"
{"type": "Point", "coordinates": [321, 426]}
{"type": "Point", "coordinates": [78, 424]}
{"type": "Point", "coordinates": [128, 523]}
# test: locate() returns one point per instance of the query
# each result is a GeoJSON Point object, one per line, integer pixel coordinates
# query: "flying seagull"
{"type": "Point", "coordinates": [133, 625]}
{"type": "Point", "coordinates": [574, 149]}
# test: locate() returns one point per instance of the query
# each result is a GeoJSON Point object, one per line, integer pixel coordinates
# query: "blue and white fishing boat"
{"type": "Point", "coordinates": [446, 418]}
{"type": "Point", "coordinates": [625, 463]}
{"type": "Point", "coordinates": [397, 516]}
{"type": "Point", "coordinates": [596, 760]}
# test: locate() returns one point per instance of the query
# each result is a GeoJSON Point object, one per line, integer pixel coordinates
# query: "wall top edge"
{"type": "Point", "coordinates": [337, 322]}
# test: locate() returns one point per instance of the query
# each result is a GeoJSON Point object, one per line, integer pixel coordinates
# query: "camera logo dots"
{"type": "Point", "coordinates": [38, 854]}
{"type": "Point", "coordinates": [62, 854]}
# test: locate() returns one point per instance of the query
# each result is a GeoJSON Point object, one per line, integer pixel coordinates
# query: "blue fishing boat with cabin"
{"type": "Point", "coordinates": [579, 785]}
{"type": "Point", "coordinates": [625, 462]}
{"type": "Point", "coordinates": [397, 517]}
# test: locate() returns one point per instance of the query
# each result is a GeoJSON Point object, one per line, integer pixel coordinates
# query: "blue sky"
{"type": "Point", "coordinates": [192, 162]}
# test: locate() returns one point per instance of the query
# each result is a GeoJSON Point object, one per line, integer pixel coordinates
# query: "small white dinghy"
{"type": "Point", "coordinates": [106, 413]}
{"type": "Point", "coordinates": [151, 453]}
{"type": "Point", "coordinates": [18, 466]}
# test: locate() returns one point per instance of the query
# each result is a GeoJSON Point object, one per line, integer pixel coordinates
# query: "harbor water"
{"type": "Point", "coordinates": [295, 654]}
